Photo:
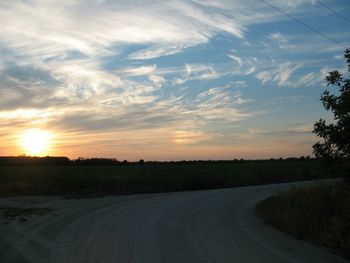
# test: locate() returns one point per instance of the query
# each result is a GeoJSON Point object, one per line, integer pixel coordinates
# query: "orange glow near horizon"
{"type": "Point", "coordinates": [36, 142]}
{"type": "Point", "coordinates": [156, 144]}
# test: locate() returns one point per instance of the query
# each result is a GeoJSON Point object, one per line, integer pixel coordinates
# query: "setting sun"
{"type": "Point", "coordinates": [36, 142]}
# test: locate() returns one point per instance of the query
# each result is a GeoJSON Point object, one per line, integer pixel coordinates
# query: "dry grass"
{"type": "Point", "coordinates": [319, 214]}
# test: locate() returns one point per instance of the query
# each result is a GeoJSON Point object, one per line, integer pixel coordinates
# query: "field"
{"type": "Point", "coordinates": [153, 177]}
{"type": "Point", "coordinates": [318, 214]}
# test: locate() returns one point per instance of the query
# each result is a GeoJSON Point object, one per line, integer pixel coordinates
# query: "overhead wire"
{"type": "Point", "coordinates": [334, 12]}
{"type": "Point", "coordinates": [304, 24]}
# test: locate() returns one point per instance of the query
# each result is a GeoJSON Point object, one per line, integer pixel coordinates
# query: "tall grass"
{"type": "Point", "coordinates": [36, 180]}
{"type": "Point", "coordinates": [319, 214]}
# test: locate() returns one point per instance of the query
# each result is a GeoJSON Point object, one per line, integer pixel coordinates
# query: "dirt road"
{"type": "Point", "coordinates": [200, 226]}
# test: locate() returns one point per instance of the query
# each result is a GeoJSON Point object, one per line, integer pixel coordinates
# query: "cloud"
{"type": "Point", "coordinates": [55, 29]}
{"type": "Point", "coordinates": [284, 72]}
{"type": "Point", "coordinates": [50, 29]}
{"type": "Point", "coordinates": [301, 128]}
{"type": "Point", "coordinates": [188, 69]}
{"type": "Point", "coordinates": [189, 137]}
{"type": "Point", "coordinates": [62, 46]}
{"type": "Point", "coordinates": [80, 81]}
{"type": "Point", "coordinates": [264, 76]}
{"type": "Point", "coordinates": [138, 112]}
{"type": "Point", "coordinates": [281, 75]}
{"type": "Point", "coordinates": [26, 86]}
{"type": "Point", "coordinates": [221, 104]}
{"type": "Point", "coordinates": [108, 67]}
{"type": "Point", "coordinates": [309, 79]}
{"type": "Point", "coordinates": [156, 51]}
{"type": "Point", "coordinates": [156, 80]}
{"type": "Point", "coordinates": [277, 36]}
{"type": "Point", "coordinates": [237, 59]}
{"type": "Point", "coordinates": [137, 71]}
{"type": "Point", "coordinates": [202, 72]}
{"type": "Point", "coordinates": [280, 41]}
{"type": "Point", "coordinates": [245, 66]}
{"type": "Point", "coordinates": [304, 129]}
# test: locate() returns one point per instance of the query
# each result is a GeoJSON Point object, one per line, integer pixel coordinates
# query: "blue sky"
{"type": "Point", "coordinates": [168, 79]}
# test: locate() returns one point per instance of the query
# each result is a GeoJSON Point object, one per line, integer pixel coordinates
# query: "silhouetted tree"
{"type": "Point", "coordinates": [335, 136]}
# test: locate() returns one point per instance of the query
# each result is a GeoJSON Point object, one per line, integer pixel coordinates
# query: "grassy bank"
{"type": "Point", "coordinates": [52, 180]}
{"type": "Point", "coordinates": [318, 214]}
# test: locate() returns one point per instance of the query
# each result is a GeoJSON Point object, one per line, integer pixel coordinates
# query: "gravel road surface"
{"type": "Point", "coordinates": [200, 226]}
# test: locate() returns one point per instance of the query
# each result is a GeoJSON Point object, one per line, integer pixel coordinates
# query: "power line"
{"type": "Point", "coordinates": [304, 24]}
{"type": "Point", "coordinates": [333, 11]}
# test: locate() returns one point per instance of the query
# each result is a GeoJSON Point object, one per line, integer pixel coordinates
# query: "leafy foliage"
{"type": "Point", "coordinates": [336, 136]}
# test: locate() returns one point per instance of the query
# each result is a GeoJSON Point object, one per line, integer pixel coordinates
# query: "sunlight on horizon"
{"type": "Point", "coordinates": [184, 80]}
{"type": "Point", "coordinates": [36, 142]}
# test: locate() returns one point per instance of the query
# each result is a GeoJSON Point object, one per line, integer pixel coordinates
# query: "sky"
{"type": "Point", "coordinates": [168, 80]}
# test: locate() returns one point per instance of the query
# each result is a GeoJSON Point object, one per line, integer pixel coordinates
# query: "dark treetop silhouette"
{"type": "Point", "coordinates": [336, 136]}
{"type": "Point", "coordinates": [336, 142]}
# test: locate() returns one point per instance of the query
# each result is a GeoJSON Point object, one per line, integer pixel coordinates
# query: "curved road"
{"type": "Point", "coordinates": [200, 226]}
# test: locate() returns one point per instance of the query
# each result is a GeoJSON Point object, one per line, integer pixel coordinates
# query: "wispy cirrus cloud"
{"type": "Point", "coordinates": [175, 70]}
{"type": "Point", "coordinates": [244, 66]}
{"type": "Point", "coordinates": [281, 75]}
{"type": "Point", "coordinates": [284, 72]}
{"type": "Point", "coordinates": [50, 29]}
{"type": "Point", "coordinates": [201, 72]}
{"type": "Point", "coordinates": [281, 41]}
{"type": "Point", "coordinates": [138, 71]}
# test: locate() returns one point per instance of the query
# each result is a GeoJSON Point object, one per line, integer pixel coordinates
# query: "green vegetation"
{"type": "Point", "coordinates": [336, 143]}
{"type": "Point", "coordinates": [153, 177]}
{"type": "Point", "coordinates": [319, 214]}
